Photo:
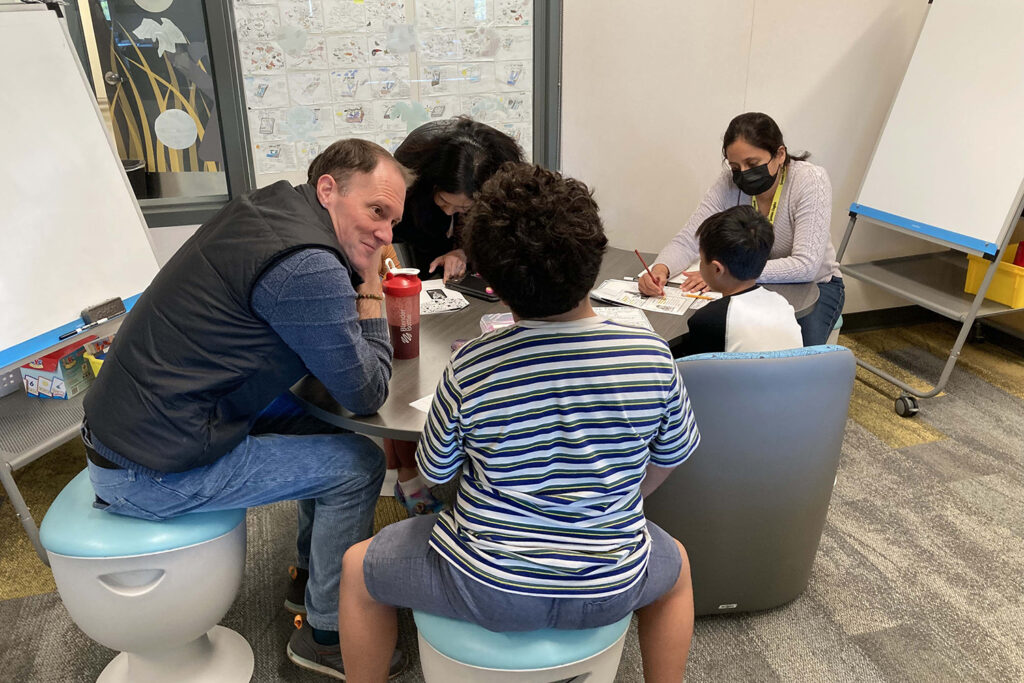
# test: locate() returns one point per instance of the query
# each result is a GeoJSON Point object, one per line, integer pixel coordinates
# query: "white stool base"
{"type": "Point", "coordinates": [601, 668]}
{"type": "Point", "coordinates": [220, 655]}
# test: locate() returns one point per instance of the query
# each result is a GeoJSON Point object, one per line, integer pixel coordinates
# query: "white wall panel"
{"type": "Point", "coordinates": [647, 89]}
{"type": "Point", "coordinates": [826, 70]}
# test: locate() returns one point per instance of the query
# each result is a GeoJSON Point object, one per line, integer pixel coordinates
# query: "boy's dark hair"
{"type": "Point", "coordinates": [739, 238]}
{"type": "Point", "coordinates": [537, 239]}
{"type": "Point", "coordinates": [344, 158]}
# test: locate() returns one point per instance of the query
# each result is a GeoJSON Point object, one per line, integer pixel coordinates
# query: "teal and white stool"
{"type": "Point", "coordinates": [453, 651]}
{"type": "Point", "coordinates": [833, 337]}
{"type": "Point", "coordinates": [153, 590]}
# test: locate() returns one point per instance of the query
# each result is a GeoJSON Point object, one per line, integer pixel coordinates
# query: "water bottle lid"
{"type": "Point", "coordinates": [399, 283]}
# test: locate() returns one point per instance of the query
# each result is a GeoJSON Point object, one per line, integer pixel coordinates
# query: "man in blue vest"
{"type": "Point", "coordinates": [281, 283]}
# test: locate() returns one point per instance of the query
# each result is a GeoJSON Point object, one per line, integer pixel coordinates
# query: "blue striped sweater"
{"type": "Point", "coordinates": [552, 426]}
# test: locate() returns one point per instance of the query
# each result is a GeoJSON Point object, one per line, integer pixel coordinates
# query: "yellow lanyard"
{"type": "Point", "coordinates": [775, 198]}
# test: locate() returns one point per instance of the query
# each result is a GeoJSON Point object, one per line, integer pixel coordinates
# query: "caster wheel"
{"type": "Point", "coordinates": [906, 406]}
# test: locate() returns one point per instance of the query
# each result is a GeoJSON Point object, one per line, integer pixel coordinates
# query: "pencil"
{"type": "Point", "coordinates": [699, 296]}
{"type": "Point", "coordinates": [637, 252]}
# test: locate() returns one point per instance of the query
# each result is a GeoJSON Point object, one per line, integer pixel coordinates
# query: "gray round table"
{"type": "Point", "coordinates": [417, 377]}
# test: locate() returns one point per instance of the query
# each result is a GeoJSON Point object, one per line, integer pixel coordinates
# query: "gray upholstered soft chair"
{"type": "Point", "coordinates": [749, 505]}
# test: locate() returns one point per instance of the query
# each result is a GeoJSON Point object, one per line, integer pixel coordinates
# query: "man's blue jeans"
{"type": "Point", "coordinates": [335, 477]}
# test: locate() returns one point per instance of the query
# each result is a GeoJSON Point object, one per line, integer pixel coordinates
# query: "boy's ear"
{"type": "Point", "coordinates": [719, 268]}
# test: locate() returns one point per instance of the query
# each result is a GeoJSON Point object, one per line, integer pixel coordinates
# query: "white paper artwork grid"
{"type": "Point", "coordinates": [319, 70]}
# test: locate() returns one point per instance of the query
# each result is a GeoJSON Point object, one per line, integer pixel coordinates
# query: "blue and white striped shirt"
{"type": "Point", "coordinates": [552, 425]}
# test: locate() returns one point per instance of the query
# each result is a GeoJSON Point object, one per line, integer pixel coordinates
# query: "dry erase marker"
{"type": "Point", "coordinates": [83, 328]}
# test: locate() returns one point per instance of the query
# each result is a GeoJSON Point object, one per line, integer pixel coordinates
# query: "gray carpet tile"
{"type": "Point", "coordinates": [973, 412]}
{"type": "Point", "coordinates": [726, 648]}
{"type": "Point", "coordinates": [1000, 497]}
{"type": "Point", "coordinates": [845, 582]}
{"type": "Point", "coordinates": [802, 643]}
{"type": "Point", "coordinates": [41, 643]}
{"type": "Point", "coordinates": [951, 460]}
{"type": "Point", "coordinates": [871, 470]}
{"type": "Point", "coordinates": [907, 653]}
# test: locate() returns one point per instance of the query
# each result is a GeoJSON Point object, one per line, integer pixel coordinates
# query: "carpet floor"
{"type": "Point", "coordinates": [919, 575]}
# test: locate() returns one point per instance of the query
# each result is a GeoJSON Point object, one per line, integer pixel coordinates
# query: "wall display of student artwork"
{"type": "Point", "coordinates": [319, 70]}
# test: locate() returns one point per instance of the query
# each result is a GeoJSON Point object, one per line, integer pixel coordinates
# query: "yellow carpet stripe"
{"type": "Point", "coordinates": [21, 572]}
{"type": "Point", "coordinates": [869, 346]}
{"type": "Point", "coordinates": [871, 405]}
{"type": "Point", "coordinates": [388, 511]}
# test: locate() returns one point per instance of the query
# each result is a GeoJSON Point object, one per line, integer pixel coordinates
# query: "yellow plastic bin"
{"type": "Point", "coordinates": [1007, 286]}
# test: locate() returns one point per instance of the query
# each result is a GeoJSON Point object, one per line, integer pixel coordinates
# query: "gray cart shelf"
{"type": "Point", "coordinates": [29, 428]}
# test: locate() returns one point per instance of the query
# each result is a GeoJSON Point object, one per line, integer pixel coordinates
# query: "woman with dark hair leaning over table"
{"type": "Point", "coordinates": [452, 158]}
{"type": "Point", "coordinates": [793, 194]}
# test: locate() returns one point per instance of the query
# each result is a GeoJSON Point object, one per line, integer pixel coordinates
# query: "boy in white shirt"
{"type": "Point", "coordinates": [734, 247]}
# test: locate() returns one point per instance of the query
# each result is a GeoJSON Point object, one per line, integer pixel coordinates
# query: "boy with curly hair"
{"type": "Point", "coordinates": [557, 427]}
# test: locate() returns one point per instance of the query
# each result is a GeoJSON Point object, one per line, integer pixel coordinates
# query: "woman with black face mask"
{"type": "Point", "coordinates": [793, 194]}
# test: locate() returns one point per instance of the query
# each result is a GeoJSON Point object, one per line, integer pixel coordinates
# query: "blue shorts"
{"type": "Point", "coordinates": [401, 569]}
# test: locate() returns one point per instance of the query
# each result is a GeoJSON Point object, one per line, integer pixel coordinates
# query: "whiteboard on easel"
{"type": "Point", "coordinates": [72, 232]}
{"type": "Point", "coordinates": [950, 161]}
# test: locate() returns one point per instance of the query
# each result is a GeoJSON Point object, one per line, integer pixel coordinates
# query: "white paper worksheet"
{"type": "Point", "coordinates": [673, 302]}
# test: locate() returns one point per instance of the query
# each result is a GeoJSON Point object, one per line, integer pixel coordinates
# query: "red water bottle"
{"type": "Point", "coordinates": [402, 300]}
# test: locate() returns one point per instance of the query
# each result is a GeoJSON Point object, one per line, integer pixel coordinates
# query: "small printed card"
{"type": "Point", "coordinates": [436, 298]}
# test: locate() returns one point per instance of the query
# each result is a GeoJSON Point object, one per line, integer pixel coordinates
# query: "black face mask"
{"type": "Point", "coordinates": [754, 180]}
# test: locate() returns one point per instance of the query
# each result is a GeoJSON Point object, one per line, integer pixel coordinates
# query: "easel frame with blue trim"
{"type": "Point", "coordinates": [934, 281]}
{"type": "Point", "coordinates": [31, 427]}
{"type": "Point", "coordinates": [948, 167]}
